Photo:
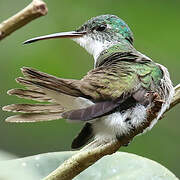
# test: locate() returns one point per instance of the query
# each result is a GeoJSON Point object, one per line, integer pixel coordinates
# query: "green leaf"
{"type": "Point", "coordinates": [6, 156]}
{"type": "Point", "coordinates": [120, 165]}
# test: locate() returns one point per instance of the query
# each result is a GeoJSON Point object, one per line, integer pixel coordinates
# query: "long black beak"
{"type": "Point", "coordinates": [71, 34]}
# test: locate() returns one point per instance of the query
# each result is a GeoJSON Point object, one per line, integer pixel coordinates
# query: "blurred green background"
{"type": "Point", "coordinates": [156, 27]}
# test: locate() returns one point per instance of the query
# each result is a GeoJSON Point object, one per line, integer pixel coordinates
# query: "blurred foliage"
{"type": "Point", "coordinates": [6, 156]}
{"type": "Point", "coordinates": [156, 28]}
{"type": "Point", "coordinates": [116, 166]}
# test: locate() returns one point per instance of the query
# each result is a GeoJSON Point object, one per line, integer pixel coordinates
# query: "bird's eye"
{"type": "Point", "coordinates": [101, 27]}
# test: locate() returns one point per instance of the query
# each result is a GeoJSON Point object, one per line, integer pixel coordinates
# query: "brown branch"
{"type": "Point", "coordinates": [83, 159]}
{"type": "Point", "coordinates": [34, 10]}
{"type": "Point", "coordinates": [176, 98]}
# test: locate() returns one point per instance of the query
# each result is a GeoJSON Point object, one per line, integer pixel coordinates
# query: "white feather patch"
{"type": "Point", "coordinates": [113, 125]}
{"type": "Point", "coordinates": [93, 47]}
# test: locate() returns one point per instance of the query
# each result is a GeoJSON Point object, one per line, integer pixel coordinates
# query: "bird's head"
{"type": "Point", "coordinates": [97, 34]}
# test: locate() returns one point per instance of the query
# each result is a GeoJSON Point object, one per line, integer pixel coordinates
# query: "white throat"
{"type": "Point", "coordinates": [93, 47]}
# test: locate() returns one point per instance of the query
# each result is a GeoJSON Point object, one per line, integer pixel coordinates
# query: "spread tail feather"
{"type": "Point", "coordinates": [30, 94]}
{"type": "Point", "coordinates": [34, 108]}
{"type": "Point", "coordinates": [43, 80]}
{"type": "Point", "coordinates": [34, 112]}
{"type": "Point", "coordinates": [62, 95]}
{"type": "Point", "coordinates": [34, 117]}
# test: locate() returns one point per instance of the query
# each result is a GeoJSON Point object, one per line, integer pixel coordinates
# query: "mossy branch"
{"type": "Point", "coordinates": [83, 159]}
{"type": "Point", "coordinates": [34, 10]}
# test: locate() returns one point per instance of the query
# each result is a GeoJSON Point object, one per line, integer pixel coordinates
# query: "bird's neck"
{"type": "Point", "coordinates": [100, 48]}
{"type": "Point", "coordinates": [120, 47]}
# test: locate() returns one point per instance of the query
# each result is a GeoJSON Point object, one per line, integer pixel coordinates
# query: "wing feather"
{"type": "Point", "coordinates": [103, 88]}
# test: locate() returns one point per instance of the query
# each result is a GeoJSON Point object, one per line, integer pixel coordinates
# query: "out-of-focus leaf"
{"type": "Point", "coordinates": [6, 156]}
{"type": "Point", "coordinates": [120, 165]}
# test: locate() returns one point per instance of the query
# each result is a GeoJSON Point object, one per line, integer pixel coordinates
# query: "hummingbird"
{"type": "Point", "coordinates": [111, 100]}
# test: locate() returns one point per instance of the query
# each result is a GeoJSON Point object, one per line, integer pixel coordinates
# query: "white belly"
{"type": "Point", "coordinates": [117, 124]}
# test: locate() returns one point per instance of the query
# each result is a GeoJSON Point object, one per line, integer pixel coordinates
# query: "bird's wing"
{"type": "Point", "coordinates": [100, 91]}
{"type": "Point", "coordinates": [120, 85]}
